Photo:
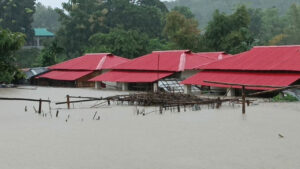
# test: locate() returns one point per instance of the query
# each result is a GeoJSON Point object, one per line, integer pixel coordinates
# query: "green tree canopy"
{"type": "Point", "coordinates": [184, 11]}
{"type": "Point", "coordinates": [45, 17]}
{"type": "Point", "coordinates": [141, 15]}
{"type": "Point", "coordinates": [204, 9]}
{"type": "Point", "coordinates": [129, 44]}
{"type": "Point", "coordinates": [229, 33]}
{"type": "Point", "coordinates": [292, 31]}
{"type": "Point", "coordinates": [9, 43]}
{"type": "Point", "coordinates": [17, 16]}
{"type": "Point", "coordinates": [80, 20]}
{"type": "Point", "coordinates": [182, 31]}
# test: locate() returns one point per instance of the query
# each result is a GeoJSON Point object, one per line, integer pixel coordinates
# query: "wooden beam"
{"type": "Point", "coordinates": [246, 85]}
{"type": "Point", "coordinates": [24, 99]}
{"type": "Point", "coordinates": [77, 101]}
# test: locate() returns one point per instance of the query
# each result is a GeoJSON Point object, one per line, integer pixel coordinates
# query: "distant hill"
{"type": "Point", "coordinates": [203, 9]}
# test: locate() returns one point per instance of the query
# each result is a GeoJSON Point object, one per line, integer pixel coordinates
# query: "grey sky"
{"type": "Point", "coordinates": [57, 3]}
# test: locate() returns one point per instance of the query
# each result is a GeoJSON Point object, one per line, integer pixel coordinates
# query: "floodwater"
{"type": "Point", "coordinates": [206, 139]}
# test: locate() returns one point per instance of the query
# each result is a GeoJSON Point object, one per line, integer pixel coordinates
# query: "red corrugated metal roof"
{"type": "Point", "coordinates": [97, 61]}
{"type": "Point", "coordinates": [249, 78]}
{"type": "Point", "coordinates": [131, 76]}
{"type": "Point", "coordinates": [64, 75]}
{"type": "Point", "coordinates": [177, 60]}
{"type": "Point", "coordinates": [264, 58]}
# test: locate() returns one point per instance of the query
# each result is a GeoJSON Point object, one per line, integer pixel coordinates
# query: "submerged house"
{"type": "Point", "coordinates": [167, 67]}
{"type": "Point", "coordinates": [76, 72]}
{"type": "Point", "coordinates": [31, 73]}
{"type": "Point", "coordinates": [277, 66]}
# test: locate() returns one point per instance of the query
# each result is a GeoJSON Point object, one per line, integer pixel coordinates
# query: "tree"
{"type": "Point", "coordinates": [152, 3]}
{"type": "Point", "coordinates": [182, 31]}
{"type": "Point", "coordinates": [184, 11]}
{"type": "Point", "coordinates": [256, 24]}
{"type": "Point", "coordinates": [9, 42]}
{"type": "Point", "coordinates": [204, 9]}
{"type": "Point", "coordinates": [80, 20]}
{"type": "Point", "coordinates": [230, 33]}
{"type": "Point", "coordinates": [49, 54]}
{"type": "Point", "coordinates": [17, 16]}
{"type": "Point", "coordinates": [292, 31]}
{"type": "Point", "coordinates": [142, 15]}
{"type": "Point", "coordinates": [273, 25]}
{"type": "Point", "coordinates": [129, 44]}
{"type": "Point", "coordinates": [218, 28]}
{"type": "Point", "coordinates": [45, 17]}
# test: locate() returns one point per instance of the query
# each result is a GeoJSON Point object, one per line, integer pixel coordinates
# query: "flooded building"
{"type": "Point", "coordinates": [76, 72]}
{"type": "Point", "coordinates": [276, 66]}
{"type": "Point", "coordinates": [159, 69]}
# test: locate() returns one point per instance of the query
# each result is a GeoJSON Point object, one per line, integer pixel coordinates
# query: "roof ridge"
{"type": "Point", "coordinates": [171, 51]}
{"type": "Point", "coordinates": [212, 52]}
{"type": "Point", "coordinates": [98, 54]}
{"type": "Point", "coordinates": [279, 46]}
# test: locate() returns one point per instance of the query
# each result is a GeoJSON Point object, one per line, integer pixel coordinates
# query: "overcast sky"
{"type": "Point", "coordinates": [57, 3]}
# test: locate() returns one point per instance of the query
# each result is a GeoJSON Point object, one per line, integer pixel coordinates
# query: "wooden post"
{"type": "Point", "coordinates": [243, 100]}
{"type": "Point", "coordinates": [219, 103]}
{"type": "Point", "coordinates": [40, 106]}
{"type": "Point", "coordinates": [178, 108]}
{"type": "Point", "coordinates": [160, 110]}
{"type": "Point", "coordinates": [68, 101]}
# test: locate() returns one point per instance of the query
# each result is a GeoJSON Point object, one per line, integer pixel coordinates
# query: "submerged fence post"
{"type": "Point", "coordinates": [40, 106]}
{"type": "Point", "coordinates": [68, 101]}
{"type": "Point", "coordinates": [178, 108]}
{"type": "Point", "coordinates": [243, 100]}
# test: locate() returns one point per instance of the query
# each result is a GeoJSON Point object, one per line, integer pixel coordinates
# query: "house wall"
{"type": "Point", "coordinates": [58, 83]}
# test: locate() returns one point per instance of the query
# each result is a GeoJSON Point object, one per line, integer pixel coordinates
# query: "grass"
{"type": "Point", "coordinates": [284, 98]}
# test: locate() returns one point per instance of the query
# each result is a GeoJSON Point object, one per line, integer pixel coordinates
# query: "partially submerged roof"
{"type": "Point", "coordinates": [131, 76]}
{"type": "Point", "coordinates": [95, 61]}
{"type": "Point", "coordinates": [64, 75]}
{"type": "Point", "coordinates": [42, 32]}
{"type": "Point", "coordinates": [261, 58]}
{"type": "Point", "coordinates": [175, 60]}
{"type": "Point", "coordinates": [247, 78]}
{"type": "Point", "coordinates": [32, 72]}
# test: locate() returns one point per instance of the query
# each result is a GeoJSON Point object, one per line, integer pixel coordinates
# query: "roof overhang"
{"type": "Point", "coordinates": [64, 75]}
{"type": "Point", "coordinates": [132, 76]}
{"type": "Point", "coordinates": [246, 78]}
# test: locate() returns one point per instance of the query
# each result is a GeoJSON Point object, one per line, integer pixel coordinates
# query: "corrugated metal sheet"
{"type": "Point", "coordinates": [264, 58]}
{"type": "Point", "coordinates": [97, 61]}
{"type": "Point", "coordinates": [249, 78]}
{"type": "Point", "coordinates": [64, 75]}
{"type": "Point", "coordinates": [131, 76]}
{"type": "Point", "coordinates": [175, 61]}
{"type": "Point", "coordinates": [31, 72]}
